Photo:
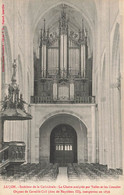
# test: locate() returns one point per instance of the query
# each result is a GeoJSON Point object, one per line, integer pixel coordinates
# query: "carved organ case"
{"type": "Point", "coordinates": [61, 72]}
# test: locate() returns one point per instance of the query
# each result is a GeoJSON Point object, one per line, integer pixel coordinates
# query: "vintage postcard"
{"type": "Point", "coordinates": [61, 97]}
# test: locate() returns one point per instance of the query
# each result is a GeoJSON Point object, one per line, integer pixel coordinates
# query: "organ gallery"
{"type": "Point", "coordinates": [63, 72]}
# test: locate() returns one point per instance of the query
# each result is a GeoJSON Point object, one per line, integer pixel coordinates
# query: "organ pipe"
{"type": "Point", "coordinates": [63, 55]}
{"type": "Point", "coordinates": [83, 52]}
{"type": "Point", "coordinates": [65, 59]}
{"type": "Point", "coordinates": [83, 60]}
{"type": "Point", "coordinates": [67, 53]}
{"type": "Point", "coordinates": [43, 52]}
{"type": "Point", "coordinates": [44, 60]}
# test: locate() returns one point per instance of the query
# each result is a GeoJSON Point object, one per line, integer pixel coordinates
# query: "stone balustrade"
{"type": "Point", "coordinates": [49, 100]}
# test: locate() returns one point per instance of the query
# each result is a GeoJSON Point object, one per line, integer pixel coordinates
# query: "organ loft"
{"type": "Point", "coordinates": [63, 72]}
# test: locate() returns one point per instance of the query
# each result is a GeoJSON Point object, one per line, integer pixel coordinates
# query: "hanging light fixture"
{"type": "Point", "coordinates": [13, 103]}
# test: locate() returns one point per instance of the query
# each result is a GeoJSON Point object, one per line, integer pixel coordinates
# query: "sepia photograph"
{"type": "Point", "coordinates": [61, 97]}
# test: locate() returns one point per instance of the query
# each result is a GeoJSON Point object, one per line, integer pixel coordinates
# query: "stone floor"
{"type": "Point", "coordinates": [62, 175]}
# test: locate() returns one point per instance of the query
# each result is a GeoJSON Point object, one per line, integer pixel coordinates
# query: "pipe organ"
{"type": "Point", "coordinates": [61, 72]}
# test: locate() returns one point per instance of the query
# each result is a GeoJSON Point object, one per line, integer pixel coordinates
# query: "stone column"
{"type": "Point", "coordinates": [118, 141]}
{"type": "Point", "coordinates": [93, 134]}
{"type": "Point", "coordinates": [33, 128]}
{"type": "Point", "coordinates": [1, 133]}
{"type": "Point", "coordinates": [37, 137]}
{"type": "Point", "coordinates": [121, 11]}
{"type": "Point", "coordinates": [1, 136]}
{"type": "Point", "coordinates": [89, 138]}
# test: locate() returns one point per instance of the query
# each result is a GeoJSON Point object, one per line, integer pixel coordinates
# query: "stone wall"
{"type": "Point", "coordinates": [47, 116]}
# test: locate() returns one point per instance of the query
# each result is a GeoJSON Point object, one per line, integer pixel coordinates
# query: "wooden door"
{"type": "Point", "coordinates": [63, 141]}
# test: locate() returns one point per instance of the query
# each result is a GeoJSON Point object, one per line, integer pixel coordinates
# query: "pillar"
{"type": "Point", "coordinates": [93, 134]}
{"type": "Point", "coordinates": [1, 137]}
{"type": "Point", "coordinates": [33, 129]}
{"type": "Point", "coordinates": [1, 133]}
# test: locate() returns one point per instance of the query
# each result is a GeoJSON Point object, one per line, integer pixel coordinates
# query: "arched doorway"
{"type": "Point", "coordinates": [63, 145]}
{"type": "Point", "coordinates": [80, 137]}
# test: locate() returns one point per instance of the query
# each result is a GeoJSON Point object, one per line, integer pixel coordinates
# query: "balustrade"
{"type": "Point", "coordinates": [49, 99]}
{"type": "Point", "coordinates": [4, 154]}
{"type": "Point", "coordinates": [71, 72]}
{"type": "Point", "coordinates": [16, 151]}
{"type": "Point", "coordinates": [12, 152]}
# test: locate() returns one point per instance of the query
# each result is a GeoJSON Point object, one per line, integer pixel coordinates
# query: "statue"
{"type": "Point", "coordinates": [5, 103]}
{"type": "Point", "coordinates": [12, 106]}
{"type": "Point", "coordinates": [12, 101]}
{"type": "Point", "coordinates": [21, 103]}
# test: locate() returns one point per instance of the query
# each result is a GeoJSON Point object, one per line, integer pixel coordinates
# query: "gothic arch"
{"type": "Point", "coordinates": [82, 13]}
{"type": "Point", "coordinates": [116, 53]}
{"type": "Point", "coordinates": [103, 73]}
{"type": "Point", "coordinates": [28, 86]}
{"type": "Point", "coordinates": [53, 114]}
{"type": "Point", "coordinates": [115, 98]}
{"type": "Point", "coordinates": [65, 119]}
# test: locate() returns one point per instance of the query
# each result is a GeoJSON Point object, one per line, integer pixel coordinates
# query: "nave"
{"type": "Point", "coordinates": [52, 172]}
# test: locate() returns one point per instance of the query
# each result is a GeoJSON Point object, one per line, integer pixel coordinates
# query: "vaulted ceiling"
{"type": "Point", "coordinates": [51, 11]}
{"type": "Point", "coordinates": [38, 8]}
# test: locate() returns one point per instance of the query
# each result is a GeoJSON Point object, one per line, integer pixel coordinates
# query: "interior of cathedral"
{"type": "Point", "coordinates": [61, 90]}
